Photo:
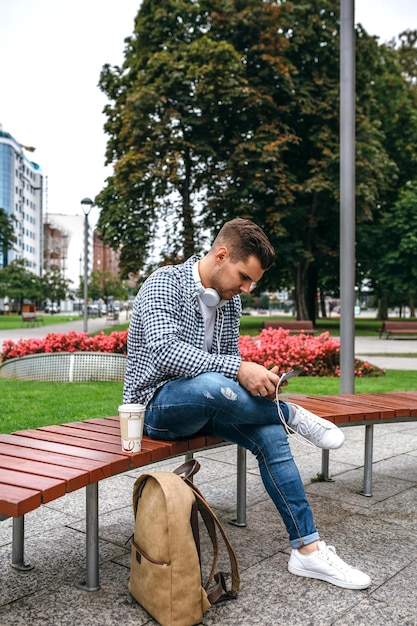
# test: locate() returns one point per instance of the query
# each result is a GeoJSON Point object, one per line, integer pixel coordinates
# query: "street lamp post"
{"type": "Point", "coordinates": [86, 205]}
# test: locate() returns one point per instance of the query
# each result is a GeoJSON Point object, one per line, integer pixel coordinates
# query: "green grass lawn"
{"type": "Point", "coordinates": [11, 322]}
{"type": "Point", "coordinates": [28, 404]}
{"type": "Point", "coordinates": [31, 404]}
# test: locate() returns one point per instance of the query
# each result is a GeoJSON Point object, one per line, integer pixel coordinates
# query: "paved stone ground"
{"type": "Point", "coordinates": [376, 534]}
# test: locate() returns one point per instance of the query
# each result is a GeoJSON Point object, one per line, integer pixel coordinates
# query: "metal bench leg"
{"type": "Point", "coordinates": [367, 469]}
{"type": "Point", "coordinates": [240, 519]}
{"type": "Point", "coordinates": [325, 467]}
{"type": "Point", "coordinates": [91, 582]}
{"type": "Point", "coordinates": [18, 545]}
{"type": "Point", "coordinates": [325, 464]}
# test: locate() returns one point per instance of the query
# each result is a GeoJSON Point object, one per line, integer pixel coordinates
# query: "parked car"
{"type": "Point", "coordinates": [52, 309]}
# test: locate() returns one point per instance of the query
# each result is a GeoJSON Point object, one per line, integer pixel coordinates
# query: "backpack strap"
{"type": "Point", "coordinates": [220, 592]}
{"type": "Point", "coordinates": [188, 469]}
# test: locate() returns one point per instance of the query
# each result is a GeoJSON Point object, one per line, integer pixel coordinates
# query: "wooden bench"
{"type": "Point", "coordinates": [390, 329]}
{"type": "Point", "coordinates": [360, 410]}
{"type": "Point", "coordinates": [112, 318]}
{"type": "Point", "coordinates": [31, 319]}
{"type": "Point", "coordinates": [295, 327]}
{"type": "Point", "coordinates": [40, 465]}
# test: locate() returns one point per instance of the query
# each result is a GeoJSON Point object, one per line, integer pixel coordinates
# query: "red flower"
{"type": "Point", "coordinates": [69, 342]}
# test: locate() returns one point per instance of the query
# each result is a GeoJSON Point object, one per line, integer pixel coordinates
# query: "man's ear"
{"type": "Point", "coordinates": [221, 254]}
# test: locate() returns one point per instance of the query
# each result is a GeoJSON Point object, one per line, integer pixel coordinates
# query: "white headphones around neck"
{"type": "Point", "coordinates": [208, 296]}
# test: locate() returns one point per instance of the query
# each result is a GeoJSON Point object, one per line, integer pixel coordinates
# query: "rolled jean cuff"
{"type": "Point", "coordinates": [304, 541]}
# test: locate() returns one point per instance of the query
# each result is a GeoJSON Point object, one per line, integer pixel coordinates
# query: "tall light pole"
{"type": "Point", "coordinates": [86, 205]}
{"type": "Point", "coordinates": [347, 196]}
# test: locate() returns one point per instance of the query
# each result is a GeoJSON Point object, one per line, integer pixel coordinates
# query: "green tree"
{"type": "Point", "coordinates": [55, 286]}
{"type": "Point", "coordinates": [106, 286]}
{"type": "Point", "coordinates": [7, 236]}
{"type": "Point", "coordinates": [20, 284]}
{"type": "Point", "coordinates": [231, 108]}
{"type": "Point", "coordinates": [182, 101]}
{"type": "Point", "coordinates": [397, 274]}
{"type": "Point", "coordinates": [389, 95]}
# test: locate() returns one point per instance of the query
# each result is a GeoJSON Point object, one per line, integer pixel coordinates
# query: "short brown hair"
{"type": "Point", "coordinates": [243, 238]}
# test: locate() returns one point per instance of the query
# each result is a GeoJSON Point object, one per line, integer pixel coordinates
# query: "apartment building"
{"type": "Point", "coordinates": [21, 196]}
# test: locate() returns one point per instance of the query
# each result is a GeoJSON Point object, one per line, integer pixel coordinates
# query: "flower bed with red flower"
{"type": "Point", "coordinates": [66, 342]}
{"type": "Point", "coordinates": [316, 356]}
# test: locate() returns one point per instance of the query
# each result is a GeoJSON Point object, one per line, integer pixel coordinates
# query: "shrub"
{"type": "Point", "coordinates": [66, 342]}
{"type": "Point", "coordinates": [316, 356]}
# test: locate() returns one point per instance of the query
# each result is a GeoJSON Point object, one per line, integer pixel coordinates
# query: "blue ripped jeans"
{"type": "Point", "coordinates": [220, 406]}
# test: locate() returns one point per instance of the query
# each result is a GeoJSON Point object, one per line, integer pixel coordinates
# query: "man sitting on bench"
{"type": "Point", "coordinates": [184, 364]}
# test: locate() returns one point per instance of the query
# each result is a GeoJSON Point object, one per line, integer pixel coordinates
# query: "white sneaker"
{"type": "Point", "coordinates": [324, 564]}
{"type": "Point", "coordinates": [319, 432]}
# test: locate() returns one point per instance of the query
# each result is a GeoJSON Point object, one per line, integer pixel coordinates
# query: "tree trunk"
{"type": "Point", "coordinates": [412, 307]}
{"type": "Point", "coordinates": [322, 305]}
{"type": "Point", "coordinates": [300, 299]}
{"type": "Point", "coordinates": [187, 211]}
{"type": "Point", "coordinates": [382, 308]}
{"type": "Point", "coordinates": [312, 283]}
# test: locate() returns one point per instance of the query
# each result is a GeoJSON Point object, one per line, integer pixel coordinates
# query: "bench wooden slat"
{"type": "Point", "coordinates": [92, 467]}
{"type": "Point", "coordinates": [84, 433]}
{"type": "Point", "coordinates": [411, 397]}
{"type": "Point", "coordinates": [160, 450]}
{"type": "Point", "coordinates": [50, 488]}
{"type": "Point", "coordinates": [93, 445]}
{"type": "Point", "coordinates": [360, 408]}
{"type": "Point", "coordinates": [110, 463]}
{"type": "Point", "coordinates": [105, 428]}
{"type": "Point", "coordinates": [17, 501]}
{"type": "Point", "coordinates": [112, 421]}
{"type": "Point", "coordinates": [400, 408]}
{"type": "Point", "coordinates": [74, 478]}
{"type": "Point", "coordinates": [333, 412]}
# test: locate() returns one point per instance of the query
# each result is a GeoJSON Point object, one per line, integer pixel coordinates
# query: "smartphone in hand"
{"type": "Point", "coordinates": [288, 375]}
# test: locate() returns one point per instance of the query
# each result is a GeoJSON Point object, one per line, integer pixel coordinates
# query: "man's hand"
{"type": "Point", "coordinates": [258, 380]}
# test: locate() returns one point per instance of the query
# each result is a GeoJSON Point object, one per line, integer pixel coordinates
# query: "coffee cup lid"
{"type": "Point", "coordinates": [132, 407]}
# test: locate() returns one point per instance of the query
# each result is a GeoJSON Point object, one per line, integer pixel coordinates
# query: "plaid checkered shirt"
{"type": "Point", "coordinates": [166, 334]}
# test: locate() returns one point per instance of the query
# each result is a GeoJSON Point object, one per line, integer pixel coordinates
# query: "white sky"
{"type": "Point", "coordinates": [51, 55]}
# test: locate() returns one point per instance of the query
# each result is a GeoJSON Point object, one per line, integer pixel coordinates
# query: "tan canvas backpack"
{"type": "Point", "coordinates": [165, 573]}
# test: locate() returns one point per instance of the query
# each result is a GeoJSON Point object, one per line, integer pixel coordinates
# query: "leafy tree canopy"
{"type": "Point", "coordinates": [226, 108]}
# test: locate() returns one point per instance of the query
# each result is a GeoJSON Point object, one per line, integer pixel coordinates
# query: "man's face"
{"type": "Point", "coordinates": [230, 279]}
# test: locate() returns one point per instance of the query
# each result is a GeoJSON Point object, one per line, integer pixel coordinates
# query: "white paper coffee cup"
{"type": "Point", "coordinates": [131, 426]}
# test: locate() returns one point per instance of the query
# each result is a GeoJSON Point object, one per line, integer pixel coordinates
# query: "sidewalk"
{"type": "Point", "coordinates": [95, 324]}
{"type": "Point", "coordinates": [376, 534]}
{"type": "Point", "coordinates": [383, 352]}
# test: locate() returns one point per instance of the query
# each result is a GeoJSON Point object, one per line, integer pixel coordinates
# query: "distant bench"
{"type": "Point", "coordinates": [31, 319]}
{"type": "Point", "coordinates": [390, 329]}
{"type": "Point", "coordinates": [295, 327]}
